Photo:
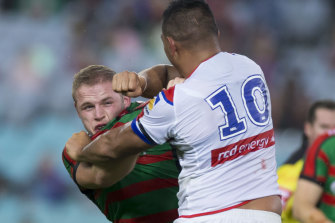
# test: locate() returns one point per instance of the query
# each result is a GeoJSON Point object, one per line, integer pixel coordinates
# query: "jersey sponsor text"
{"type": "Point", "coordinates": [243, 147]}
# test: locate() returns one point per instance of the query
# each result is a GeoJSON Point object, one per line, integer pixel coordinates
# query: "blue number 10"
{"type": "Point", "coordinates": [255, 102]}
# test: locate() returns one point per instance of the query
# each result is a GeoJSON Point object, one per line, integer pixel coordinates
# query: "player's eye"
{"type": "Point", "coordinates": [88, 107]}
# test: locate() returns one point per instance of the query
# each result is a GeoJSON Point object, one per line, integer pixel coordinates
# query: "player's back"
{"type": "Point", "coordinates": [223, 129]}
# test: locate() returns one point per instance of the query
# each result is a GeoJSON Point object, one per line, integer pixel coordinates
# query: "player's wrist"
{"type": "Point", "coordinates": [143, 83]}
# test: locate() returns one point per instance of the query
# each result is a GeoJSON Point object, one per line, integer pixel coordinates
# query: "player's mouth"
{"type": "Point", "coordinates": [99, 127]}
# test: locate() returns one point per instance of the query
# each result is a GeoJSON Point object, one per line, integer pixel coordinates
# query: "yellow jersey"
{"type": "Point", "coordinates": [288, 175]}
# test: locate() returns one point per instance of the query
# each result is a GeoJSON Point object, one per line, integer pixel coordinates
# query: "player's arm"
{"type": "Point", "coordinates": [306, 198]}
{"type": "Point", "coordinates": [115, 144]}
{"type": "Point", "coordinates": [147, 83]}
{"type": "Point", "coordinates": [92, 176]}
{"type": "Point", "coordinates": [92, 172]}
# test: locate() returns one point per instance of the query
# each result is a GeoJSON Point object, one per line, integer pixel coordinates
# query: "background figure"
{"type": "Point", "coordinates": [315, 194]}
{"type": "Point", "coordinates": [320, 118]}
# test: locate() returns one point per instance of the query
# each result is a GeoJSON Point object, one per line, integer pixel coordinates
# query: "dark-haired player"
{"type": "Point", "coordinates": [315, 195]}
{"type": "Point", "coordinates": [320, 118]}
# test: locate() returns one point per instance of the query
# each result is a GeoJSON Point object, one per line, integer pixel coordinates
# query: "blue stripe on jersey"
{"type": "Point", "coordinates": [157, 99]}
{"type": "Point", "coordinates": [139, 133]}
{"type": "Point", "coordinates": [167, 100]}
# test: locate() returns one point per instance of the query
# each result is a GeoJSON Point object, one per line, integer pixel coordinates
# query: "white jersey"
{"type": "Point", "coordinates": [220, 121]}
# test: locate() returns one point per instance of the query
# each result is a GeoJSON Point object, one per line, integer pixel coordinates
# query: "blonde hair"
{"type": "Point", "coordinates": [91, 75]}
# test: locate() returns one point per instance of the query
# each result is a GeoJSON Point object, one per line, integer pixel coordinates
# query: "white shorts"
{"type": "Point", "coordinates": [235, 216]}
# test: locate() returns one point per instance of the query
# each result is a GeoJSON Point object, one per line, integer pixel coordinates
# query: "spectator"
{"type": "Point", "coordinates": [315, 195]}
{"type": "Point", "coordinates": [320, 118]}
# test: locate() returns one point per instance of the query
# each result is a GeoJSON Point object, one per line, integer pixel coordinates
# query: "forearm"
{"type": "Point", "coordinates": [305, 202]}
{"type": "Point", "coordinates": [95, 152]}
{"type": "Point", "coordinates": [115, 153]}
{"type": "Point", "coordinates": [115, 144]}
{"type": "Point", "coordinates": [156, 78]}
{"type": "Point", "coordinates": [92, 176]}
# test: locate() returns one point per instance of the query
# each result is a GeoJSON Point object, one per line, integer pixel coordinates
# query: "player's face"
{"type": "Point", "coordinates": [98, 104]}
{"type": "Point", "coordinates": [324, 121]}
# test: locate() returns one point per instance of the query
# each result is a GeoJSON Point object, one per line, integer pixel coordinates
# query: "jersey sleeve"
{"type": "Point", "coordinates": [316, 162]}
{"type": "Point", "coordinates": [155, 124]}
{"type": "Point", "coordinates": [70, 165]}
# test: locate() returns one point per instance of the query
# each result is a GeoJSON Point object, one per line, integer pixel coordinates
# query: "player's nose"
{"type": "Point", "coordinates": [99, 113]}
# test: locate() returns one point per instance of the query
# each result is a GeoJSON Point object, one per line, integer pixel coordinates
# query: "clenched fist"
{"type": "Point", "coordinates": [129, 84]}
{"type": "Point", "coordinates": [76, 143]}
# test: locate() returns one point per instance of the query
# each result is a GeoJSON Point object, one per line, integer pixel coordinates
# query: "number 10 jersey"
{"type": "Point", "coordinates": [220, 121]}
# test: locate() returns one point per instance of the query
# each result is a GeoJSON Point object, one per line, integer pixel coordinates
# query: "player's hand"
{"type": "Point", "coordinates": [175, 81]}
{"type": "Point", "coordinates": [129, 84]}
{"type": "Point", "coordinates": [76, 143]}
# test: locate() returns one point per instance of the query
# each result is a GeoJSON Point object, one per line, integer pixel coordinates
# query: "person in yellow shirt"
{"type": "Point", "coordinates": [320, 118]}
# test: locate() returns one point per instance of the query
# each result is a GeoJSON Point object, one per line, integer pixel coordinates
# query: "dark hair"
{"type": "Point", "coordinates": [327, 104]}
{"type": "Point", "coordinates": [189, 20]}
{"type": "Point", "coordinates": [91, 75]}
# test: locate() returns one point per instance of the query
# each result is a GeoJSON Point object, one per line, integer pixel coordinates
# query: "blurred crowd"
{"type": "Point", "coordinates": [43, 43]}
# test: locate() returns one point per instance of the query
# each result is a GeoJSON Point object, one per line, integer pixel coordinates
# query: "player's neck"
{"type": "Point", "coordinates": [192, 59]}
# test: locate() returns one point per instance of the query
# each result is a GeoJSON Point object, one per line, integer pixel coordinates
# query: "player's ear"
{"type": "Point", "coordinates": [308, 129]}
{"type": "Point", "coordinates": [126, 101]}
{"type": "Point", "coordinates": [172, 45]}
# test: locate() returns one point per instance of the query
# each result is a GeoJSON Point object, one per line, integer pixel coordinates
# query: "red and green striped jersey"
{"type": "Point", "coordinates": [148, 193]}
{"type": "Point", "coordinates": [319, 167]}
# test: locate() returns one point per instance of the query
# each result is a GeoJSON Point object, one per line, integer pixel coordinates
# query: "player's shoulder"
{"type": "Point", "coordinates": [328, 143]}
{"type": "Point", "coordinates": [241, 60]}
{"type": "Point", "coordinates": [163, 103]}
{"type": "Point", "coordinates": [168, 95]}
{"type": "Point", "coordinates": [137, 105]}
